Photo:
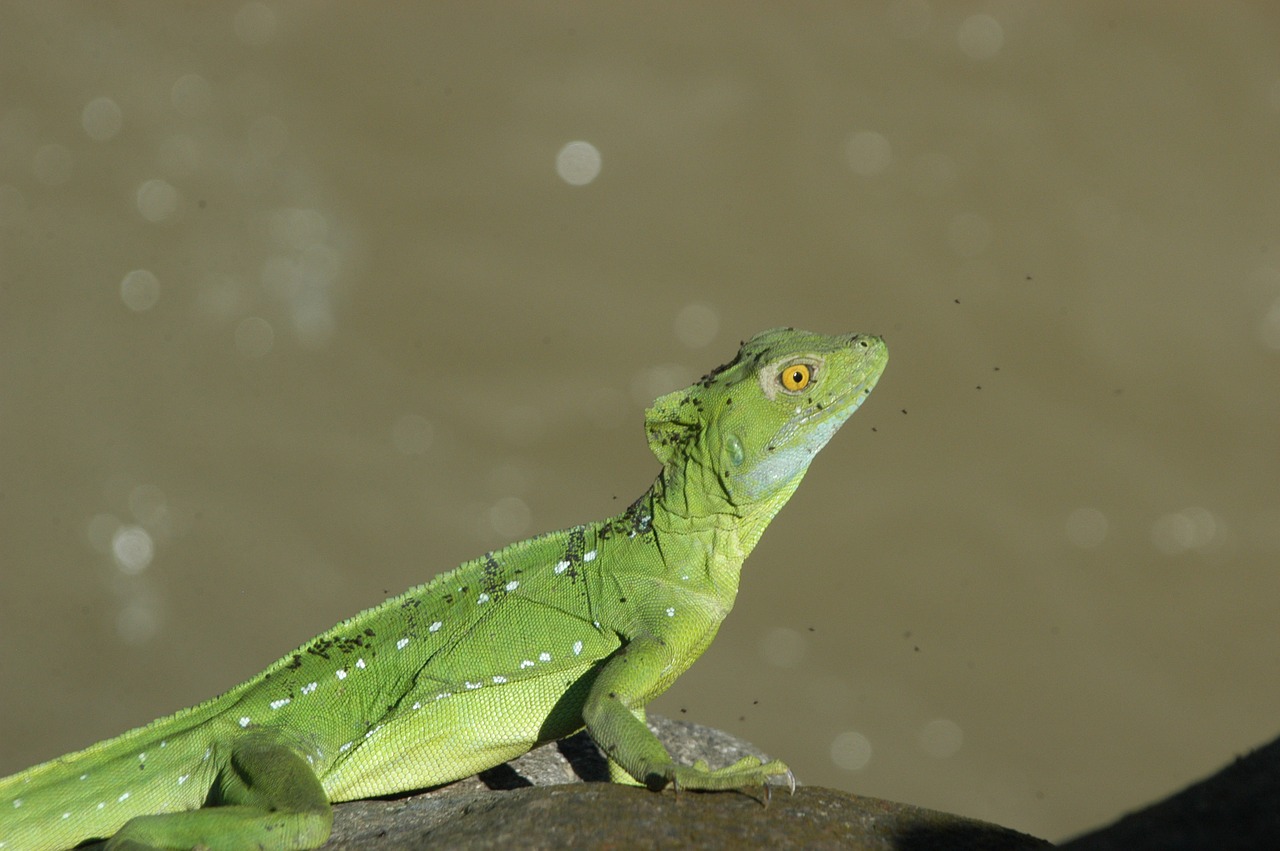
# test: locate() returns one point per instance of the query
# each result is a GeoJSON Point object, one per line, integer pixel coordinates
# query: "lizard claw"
{"type": "Point", "coordinates": [791, 787]}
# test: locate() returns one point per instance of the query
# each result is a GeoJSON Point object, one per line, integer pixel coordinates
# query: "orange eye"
{"type": "Point", "coordinates": [796, 377]}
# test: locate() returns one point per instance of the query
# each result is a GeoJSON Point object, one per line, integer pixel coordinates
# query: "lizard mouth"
{"type": "Point", "coordinates": [813, 426]}
{"type": "Point", "coordinates": [840, 406]}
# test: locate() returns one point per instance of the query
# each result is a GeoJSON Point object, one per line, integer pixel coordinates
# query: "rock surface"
{"type": "Point", "coordinates": [540, 801]}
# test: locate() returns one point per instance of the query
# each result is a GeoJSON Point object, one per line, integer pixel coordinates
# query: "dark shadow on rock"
{"type": "Point", "coordinates": [966, 837]}
{"type": "Point", "coordinates": [584, 757]}
{"type": "Point", "coordinates": [503, 777]}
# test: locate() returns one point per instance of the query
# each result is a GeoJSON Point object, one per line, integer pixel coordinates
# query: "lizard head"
{"type": "Point", "coordinates": [746, 432]}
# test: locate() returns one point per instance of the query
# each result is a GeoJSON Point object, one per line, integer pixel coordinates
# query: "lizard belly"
{"type": "Point", "coordinates": [456, 736]}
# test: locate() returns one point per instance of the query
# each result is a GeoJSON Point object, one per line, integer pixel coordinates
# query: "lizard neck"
{"type": "Point", "coordinates": [693, 502]}
{"type": "Point", "coordinates": [699, 524]}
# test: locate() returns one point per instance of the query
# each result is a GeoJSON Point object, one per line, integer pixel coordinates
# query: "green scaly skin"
{"type": "Point", "coordinates": [522, 646]}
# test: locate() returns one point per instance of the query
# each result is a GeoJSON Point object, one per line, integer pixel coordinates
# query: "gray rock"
{"type": "Point", "coordinates": [541, 801]}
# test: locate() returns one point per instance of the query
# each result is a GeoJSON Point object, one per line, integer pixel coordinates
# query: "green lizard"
{"type": "Point", "coordinates": [522, 646]}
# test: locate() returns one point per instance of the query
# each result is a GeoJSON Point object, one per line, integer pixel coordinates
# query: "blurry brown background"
{"type": "Point", "coordinates": [303, 303]}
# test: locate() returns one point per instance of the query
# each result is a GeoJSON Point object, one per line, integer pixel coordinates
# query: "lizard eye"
{"type": "Point", "coordinates": [796, 377]}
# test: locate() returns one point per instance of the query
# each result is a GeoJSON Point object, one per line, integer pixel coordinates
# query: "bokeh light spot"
{"type": "Point", "coordinates": [254, 337]}
{"type": "Point", "coordinates": [133, 549]}
{"type": "Point", "coordinates": [868, 153]}
{"type": "Point", "coordinates": [578, 163]}
{"type": "Point", "coordinates": [101, 531]}
{"type": "Point", "coordinates": [140, 290]}
{"type": "Point", "coordinates": [782, 647]}
{"type": "Point", "coordinates": [650, 383]}
{"type": "Point", "coordinates": [980, 37]}
{"type": "Point", "coordinates": [102, 119]}
{"type": "Point", "coordinates": [157, 200]}
{"type": "Point", "coordinates": [255, 24]}
{"type": "Point", "coordinates": [138, 622]}
{"type": "Point", "coordinates": [191, 95]}
{"type": "Point", "coordinates": [1188, 529]}
{"type": "Point", "coordinates": [510, 517]}
{"type": "Point", "coordinates": [940, 738]}
{"type": "Point", "coordinates": [851, 751]}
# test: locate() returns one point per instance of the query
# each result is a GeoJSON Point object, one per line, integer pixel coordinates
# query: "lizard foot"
{"type": "Point", "coordinates": [748, 771]}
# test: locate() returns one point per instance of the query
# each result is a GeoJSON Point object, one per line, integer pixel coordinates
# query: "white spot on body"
{"type": "Point", "coordinates": [402, 644]}
{"type": "Point", "coordinates": [499, 680]}
{"type": "Point", "coordinates": [512, 585]}
{"type": "Point", "coordinates": [671, 611]}
{"type": "Point", "coordinates": [577, 648]}
{"type": "Point", "coordinates": [245, 721]}
{"type": "Point", "coordinates": [123, 798]}
{"type": "Point", "coordinates": [435, 626]}
{"type": "Point", "coordinates": [482, 599]}
{"type": "Point", "coordinates": [345, 747]}
{"type": "Point", "coordinates": [340, 674]}
{"type": "Point", "coordinates": [417, 704]}
{"type": "Point", "coordinates": [183, 778]}
{"type": "Point", "coordinates": [284, 701]}
{"type": "Point", "coordinates": [526, 663]}
{"type": "Point", "coordinates": [590, 556]}
{"type": "Point", "coordinates": [360, 663]}
{"type": "Point", "coordinates": [473, 685]}
{"type": "Point", "coordinates": [544, 657]}
{"type": "Point", "coordinates": [309, 687]}
{"type": "Point", "coordinates": [561, 566]}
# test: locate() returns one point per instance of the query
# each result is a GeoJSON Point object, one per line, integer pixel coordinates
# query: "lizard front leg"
{"type": "Point", "coordinates": [614, 716]}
